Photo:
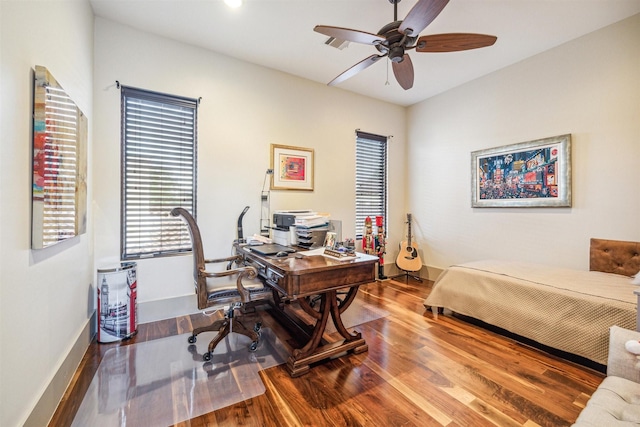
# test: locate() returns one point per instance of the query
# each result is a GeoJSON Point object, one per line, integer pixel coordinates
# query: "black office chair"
{"type": "Point", "coordinates": [238, 287]}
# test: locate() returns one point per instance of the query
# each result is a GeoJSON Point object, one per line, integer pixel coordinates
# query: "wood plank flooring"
{"type": "Point", "coordinates": [420, 370]}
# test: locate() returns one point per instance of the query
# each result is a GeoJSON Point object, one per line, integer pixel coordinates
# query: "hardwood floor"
{"type": "Point", "coordinates": [420, 370]}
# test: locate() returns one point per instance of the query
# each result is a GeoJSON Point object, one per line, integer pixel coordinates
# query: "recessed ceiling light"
{"type": "Point", "coordinates": [233, 3]}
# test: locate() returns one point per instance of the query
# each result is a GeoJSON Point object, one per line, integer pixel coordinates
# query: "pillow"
{"type": "Point", "coordinates": [621, 363]}
{"type": "Point", "coordinates": [636, 279]}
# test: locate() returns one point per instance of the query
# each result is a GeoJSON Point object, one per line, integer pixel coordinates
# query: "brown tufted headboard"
{"type": "Point", "coordinates": [614, 256]}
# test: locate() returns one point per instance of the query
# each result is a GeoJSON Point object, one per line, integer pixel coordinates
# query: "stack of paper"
{"type": "Point", "coordinates": [310, 221]}
{"type": "Point", "coordinates": [309, 237]}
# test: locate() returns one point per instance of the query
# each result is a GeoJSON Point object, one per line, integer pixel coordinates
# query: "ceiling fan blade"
{"type": "Point", "coordinates": [404, 72]}
{"type": "Point", "coordinates": [421, 15]}
{"type": "Point", "coordinates": [356, 69]}
{"type": "Point", "coordinates": [348, 34]}
{"type": "Point", "coordinates": [453, 42]}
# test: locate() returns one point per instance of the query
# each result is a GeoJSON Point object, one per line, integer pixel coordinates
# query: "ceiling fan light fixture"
{"type": "Point", "coordinates": [396, 53]}
{"type": "Point", "coordinates": [233, 4]}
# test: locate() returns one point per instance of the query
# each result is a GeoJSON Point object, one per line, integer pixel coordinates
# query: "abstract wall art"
{"type": "Point", "coordinates": [59, 198]}
{"type": "Point", "coordinates": [292, 168]}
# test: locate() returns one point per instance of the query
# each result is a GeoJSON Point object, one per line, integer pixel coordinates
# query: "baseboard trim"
{"type": "Point", "coordinates": [432, 272]}
{"type": "Point", "coordinates": [169, 308]}
{"type": "Point", "coordinates": [426, 272]}
{"type": "Point", "coordinates": [50, 399]}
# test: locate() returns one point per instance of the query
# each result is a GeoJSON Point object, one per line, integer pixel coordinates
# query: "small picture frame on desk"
{"type": "Point", "coordinates": [292, 168]}
{"type": "Point", "coordinates": [330, 240]}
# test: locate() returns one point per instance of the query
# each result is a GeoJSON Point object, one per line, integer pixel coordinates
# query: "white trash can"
{"type": "Point", "coordinates": [117, 302]}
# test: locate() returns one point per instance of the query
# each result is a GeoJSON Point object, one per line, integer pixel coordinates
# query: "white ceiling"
{"type": "Point", "coordinates": [279, 34]}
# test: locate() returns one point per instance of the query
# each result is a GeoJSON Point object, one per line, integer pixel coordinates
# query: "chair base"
{"type": "Point", "coordinates": [225, 324]}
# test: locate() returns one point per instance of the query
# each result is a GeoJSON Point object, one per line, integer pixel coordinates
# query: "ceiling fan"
{"type": "Point", "coordinates": [397, 37]}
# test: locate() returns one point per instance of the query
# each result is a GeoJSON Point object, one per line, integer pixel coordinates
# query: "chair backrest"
{"type": "Point", "coordinates": [230, 286]}
{"type": "Point", "coordinates": [196, 243]}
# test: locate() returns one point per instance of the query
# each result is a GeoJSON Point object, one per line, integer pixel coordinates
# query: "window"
{"type": "Point", "coordinates": [371, 179]}
{"type": "Point", "coordinates": [158, 171]}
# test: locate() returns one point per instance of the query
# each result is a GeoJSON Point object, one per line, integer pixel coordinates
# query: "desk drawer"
{"type": "Point", "coordinates": [260, 267]}
{"type": "Point", "coordinates": [332, 279]}
{"type": "Point", "coordinates": [274, 278]}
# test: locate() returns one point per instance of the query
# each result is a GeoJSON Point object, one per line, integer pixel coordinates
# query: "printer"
{"type": "Point", "coordinates": [283, 220]}
{"type": "Point", "coordinates": [283, 231]}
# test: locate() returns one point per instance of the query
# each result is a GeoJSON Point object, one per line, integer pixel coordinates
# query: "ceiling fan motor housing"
{"type": "Point", "coordinates": [395, 42]}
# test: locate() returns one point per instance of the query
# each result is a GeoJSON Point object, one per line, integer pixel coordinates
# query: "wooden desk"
{"type": "Point", "coordinates": [301, 279]}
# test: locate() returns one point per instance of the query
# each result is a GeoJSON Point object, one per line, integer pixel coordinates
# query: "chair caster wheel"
{"type": "Point", "coordinates": [254, 346]}
{"type": "Point", "coordinates": [207, 356]}
{"type": "Point", "coordinates": [192, 339]}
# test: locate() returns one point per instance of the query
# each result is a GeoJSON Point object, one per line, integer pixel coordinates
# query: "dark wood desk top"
{"type": "Point", "coordinates": [307, 275]}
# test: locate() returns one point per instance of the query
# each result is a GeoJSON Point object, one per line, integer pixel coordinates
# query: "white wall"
{"type": "Point", "coordinates": [44, 294]}
{"type": "Point", "coordinates": [244, 109]}
{"type": "Point", "coordinates": [590, 88]}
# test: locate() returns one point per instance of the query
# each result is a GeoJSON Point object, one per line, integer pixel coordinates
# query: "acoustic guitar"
{"type": "Point", "coordinates": [408, 258]}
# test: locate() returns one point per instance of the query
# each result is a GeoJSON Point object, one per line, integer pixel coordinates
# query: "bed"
{"type": "Point", "coordinates": [569, 310]}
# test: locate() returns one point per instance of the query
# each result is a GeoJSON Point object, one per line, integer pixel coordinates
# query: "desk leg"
{"type": "Point", "coordinates": [321, 323]}
{"type": "Point", "coordinates": [338, 308]}
{"type": "Point", "coordinates": [301, 359]}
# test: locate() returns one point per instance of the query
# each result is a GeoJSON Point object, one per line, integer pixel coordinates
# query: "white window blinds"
{"type": "Point", "coordinates": [371, 179]}
{"type": "Point", "coordinates": [159, 135]}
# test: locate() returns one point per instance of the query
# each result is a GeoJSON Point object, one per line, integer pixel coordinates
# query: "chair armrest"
{"type": "Point", "coordinates": [226, 259]}
{"type": "Point", "coordinates": [246, 272]}
{"type": "Point", "coordinates": [621, 363]}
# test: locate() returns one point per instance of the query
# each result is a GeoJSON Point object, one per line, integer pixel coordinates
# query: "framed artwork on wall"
{"type": "Point", "coordinates": [292, 168]}
{"type": "Point", "coordinates": [59, 164]}
{"type": "Point", "coordinates": [529, 174]}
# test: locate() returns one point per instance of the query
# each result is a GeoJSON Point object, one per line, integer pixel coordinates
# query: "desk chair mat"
{"type": "Point", "coordinates": [165, 381]}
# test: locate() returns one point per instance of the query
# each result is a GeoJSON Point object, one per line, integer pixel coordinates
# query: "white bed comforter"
{"type": "Point", "coordinates": [570, 310]}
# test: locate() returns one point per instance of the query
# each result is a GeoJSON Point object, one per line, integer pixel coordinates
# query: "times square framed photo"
{"type": "Point", "coordinates": [529, 174]}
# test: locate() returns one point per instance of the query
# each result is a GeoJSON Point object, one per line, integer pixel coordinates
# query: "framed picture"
{"type": "Point", "coordinates": [330, 240]}
{"type": "Point", "coordinates": [529, 174]}
{"type": "Point", "coordinates": [292, 168]}
{"type": "Point", "coordinates": [59, 164]}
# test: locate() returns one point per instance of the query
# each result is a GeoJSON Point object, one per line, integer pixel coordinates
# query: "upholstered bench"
{"type": "Point", "coordinates": [616, 402]}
